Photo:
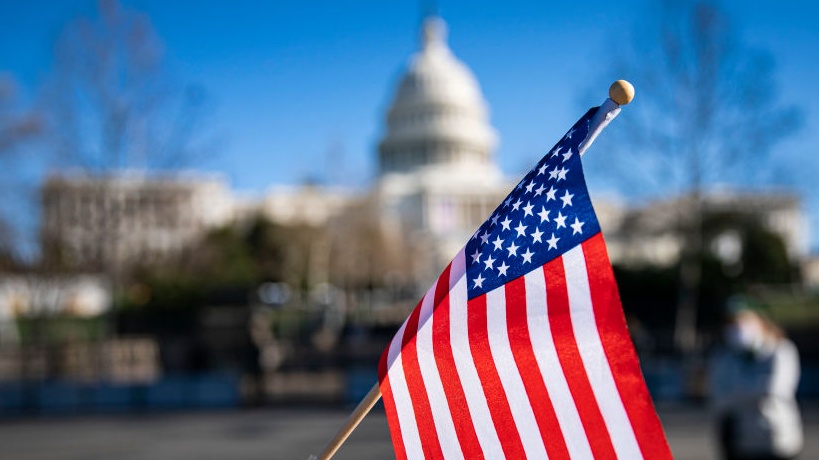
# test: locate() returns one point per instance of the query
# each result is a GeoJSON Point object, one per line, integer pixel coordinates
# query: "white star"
{"type": "Point", "coordinates": [489, 262]}
{"type": "Point", "coordinates": [484, 237]}
{"type": "Point", "coordinates": [542, 169]}
{"type": "Point", "coordinates": [498, 243]}
{"type": "Point", "coordinates": [477, 256]}
{"type": "Point", "coordinates": [567, 199]}
{"type": "Point", "coordinates": [550, 195]}
{"type": "Point", "coordinates": [569, 134]}
{"type": "Point", "coordinates": [562, 174]}
{"type": "Point", "coordinates": [527, 210]}
{"type": "Point", "coordinates": [553, 241]}
{"type": "Point", "coordinates": [527, 256]}
{"type": "Point", "coordinates": [530, 186]}
{"type": "Point", "coordinates": [577, 226]}
{"type": "Point", "coordinates": [507, 201]}
{"type": "Point", "coordinates": [556, 152]}
{"type": "Point", "coordinates": [567, 155]}
{"type": "Point", "coordinates": [478, 281]}
{"type": "Point", "coordinates": [505, 224]}
{"type": "Point", "coordinates": [561, 220]}
{"type": "Point", "coordinates": [553, 173]}
{"type": "Point", "coordinates": [502, 269]}
{"type": "Point", "coordinates": [513, 249]}
{"type": "Point", "coordinates": [540, 190]}
{"type": "Point", "coordinates": [521, 229]}
{"type": "Point", "coordinates": [517, 204]}
{"type": "Point", "coordinates": [536, 236]}
{"type": "Point", "coordinates": [544, 214]}
{"type": "Point", "coordinates": [495, 218]}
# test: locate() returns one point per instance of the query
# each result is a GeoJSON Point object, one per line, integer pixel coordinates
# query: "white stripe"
{"type": "Point", "coordinates": [447, 436]}
{"type": "Point", "coordinates": [540, 333]}
{"type": "Point", "coordinates": [594, 358]}
{"type": "Point", "coordinates": [401, 395]}
{"type": "Point", "coordinates": [516, 395]}
{"type": "Point", "coordinates": [468, 374]}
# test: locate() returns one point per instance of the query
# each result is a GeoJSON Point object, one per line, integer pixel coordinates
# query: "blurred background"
{"type": "Point", "coordinates": [213, 206]}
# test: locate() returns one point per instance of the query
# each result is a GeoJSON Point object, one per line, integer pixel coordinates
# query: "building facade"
{"type": "Point", "coordinates": [437, 175]}
{"type": "Point", "coordinates": [100, 222]}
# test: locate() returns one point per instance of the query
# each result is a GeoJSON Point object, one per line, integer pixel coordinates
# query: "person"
{"type": "Point", "coordinates": [753, 382]}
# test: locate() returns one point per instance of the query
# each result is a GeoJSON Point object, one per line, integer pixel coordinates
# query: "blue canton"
{"type": "Point", "coordinates": [548, 213]}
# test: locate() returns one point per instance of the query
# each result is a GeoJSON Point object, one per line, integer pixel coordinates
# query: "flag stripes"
{"type": "Point", "coordinates": [536, 368]}
{"type": "Point", "coordinates": [611, 322]}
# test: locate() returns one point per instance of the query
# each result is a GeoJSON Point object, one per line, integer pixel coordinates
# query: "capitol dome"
{"type": "Point", "coordinates": [438, 117]}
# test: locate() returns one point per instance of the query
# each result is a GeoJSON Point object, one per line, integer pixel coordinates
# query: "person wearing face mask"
{"type": "Point", "coordinates": [753, 381]}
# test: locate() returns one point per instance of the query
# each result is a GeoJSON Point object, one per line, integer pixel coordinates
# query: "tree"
{"type": "Point", "coordinates": [17, 127]}
{"type": "Point", "coordinates": [111, 101]}
{"type": "Point", "coordinates": [708, 114]}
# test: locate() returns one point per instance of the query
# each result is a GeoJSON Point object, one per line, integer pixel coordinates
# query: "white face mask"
{"type": "Point", "coordinates": [744, 335]}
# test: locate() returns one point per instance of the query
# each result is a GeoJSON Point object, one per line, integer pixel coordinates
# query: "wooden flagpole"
{"type": "Point", "coordinates": [352, 422]}
{"type": "Point", "coordinates": [621, 92]}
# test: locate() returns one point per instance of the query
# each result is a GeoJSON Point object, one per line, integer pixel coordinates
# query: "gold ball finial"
{"type": "Point", "coordinates": [621, 92]}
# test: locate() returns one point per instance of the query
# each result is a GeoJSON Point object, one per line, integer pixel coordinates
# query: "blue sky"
{"type": "Point", "coordinates": [295, 83]}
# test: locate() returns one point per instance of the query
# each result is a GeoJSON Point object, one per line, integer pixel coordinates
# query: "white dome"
{"type": "Point", "coordinates": [438, 116]}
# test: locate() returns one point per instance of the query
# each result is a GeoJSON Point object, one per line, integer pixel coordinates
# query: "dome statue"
{"type": "Point", "coordinates": [438, 117]}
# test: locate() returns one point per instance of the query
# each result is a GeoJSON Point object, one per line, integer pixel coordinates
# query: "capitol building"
{"type": "Point", "coordinates": [437, 181]}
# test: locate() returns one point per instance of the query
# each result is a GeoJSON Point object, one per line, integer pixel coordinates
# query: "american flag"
{"type": "Point", "coordinates": [520, 348]}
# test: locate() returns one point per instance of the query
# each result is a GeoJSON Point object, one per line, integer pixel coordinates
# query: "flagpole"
{"type": "Point", "coordinates": [352, 422]}
{"type": "Point", "coordinates": [621, 93]}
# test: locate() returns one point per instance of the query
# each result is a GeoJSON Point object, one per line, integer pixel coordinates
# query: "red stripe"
{"type": "Point", "coordinates": [417, 389]}
{"type": "Point", "coordinates": [453, 389]}
{"type": "Point", "coordinates": [389, 407]}
{"type": "Point", "coordinates": [518, 326]}
{"type": "Point", "coordinates": [620, 353]}
{"type": "Point", "coordinates": [490, 380]}
{"type": "Point", "coordinates": [570, 361]}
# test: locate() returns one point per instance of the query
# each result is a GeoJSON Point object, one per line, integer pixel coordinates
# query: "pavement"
{"type": "Point", "coordinates": [273, 433]}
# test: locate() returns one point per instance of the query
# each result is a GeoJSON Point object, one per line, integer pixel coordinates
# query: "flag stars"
{"type": "Point", "coordinates": [544, 214]}
{"type": "Point", "coordinates": [542, 169]}
{"type": "Point", "coordinates": [516, 204]}
{"type": "Point", "coordinates": [553, 241]}
{"type": "Point", "coordinates": [513, 249]}
{"type": "Point", "coordinates": [489, 262]}
{"type": "Point", "coordinates": [476, 257]}
{"type": "Point", "coordinates": [561, 175]}
{"type": "Point", "coordinates": [556, 152]}
{"type": "Point", "coordinates": [550, 195]}
{"type": "Point", "coordinates": [521, 229]}
{"type": "Point", "coordinates": [560, 220]}
{"type": "Point", "coordinates": [495, 218]}
{"type": "Point", "coordinates": [527, 256]}
{"type": "Point", "coordinates": [540, 190]}
{"type": "Point", "coordinates": [507, 201]}
{"type": "Point", "coordinates": [577, 226]}
{"type": "Point", "coordinates": [567, 155]}
{"type": "Point", "coordinates": [505, 224]}
{"type": "Point", "coordinates": [536, 236]}
{"type": "Point", "coordinates": [553, 173]}
{"type": "Point", "coordinates": [478, 281]}
{"type": "Point", "coordinates": [567, 199]}
{"type": "Point", "coordinates": [498, 243]}
{"type": "Point", "coordinates": [484, 237]}
{"type": "Point", "coordinates": [502, 269]}
{"type": "Point", "coordinates": [530, 186]}
{"type": "Point", "coordinates": [527, 210]}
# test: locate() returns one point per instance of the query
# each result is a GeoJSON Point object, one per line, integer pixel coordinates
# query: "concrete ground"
{"type": "Point", "coordinates": [273, 434]}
